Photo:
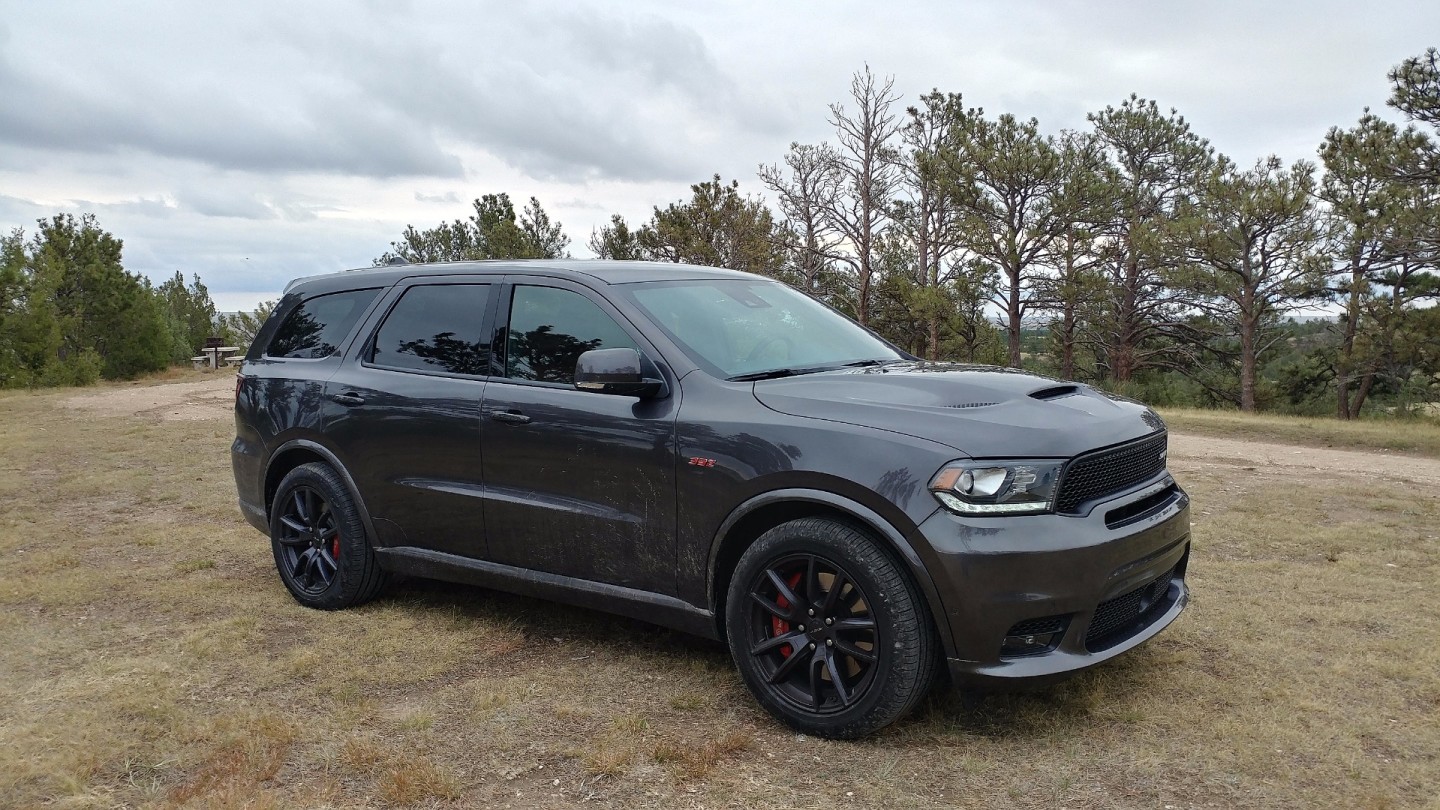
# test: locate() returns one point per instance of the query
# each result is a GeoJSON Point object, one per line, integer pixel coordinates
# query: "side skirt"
{"type": "Point", "coordinates": [636, 604]}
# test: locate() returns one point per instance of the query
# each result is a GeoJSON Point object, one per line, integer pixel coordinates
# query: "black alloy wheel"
{"type": "Point", "coordinates": [811, 633]}
{"type": "Point", "coordinates": [829, 632]}
{"type": "Point", "coordinates": [319, 541]}
{"type": "Point", "coordinates": [309, 539]}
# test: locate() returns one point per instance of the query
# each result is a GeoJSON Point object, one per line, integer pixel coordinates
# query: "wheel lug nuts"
{"type": "Point", "coordinates": [802, 628]}
{"type": "Point", "coordinates": [812, 611]}
{"type": "Point", "coordinates": [812, 645]}
{"type": "Point", "coordinates": [829, 642]}
{"type": "Point", "coordinates": [829, 621]}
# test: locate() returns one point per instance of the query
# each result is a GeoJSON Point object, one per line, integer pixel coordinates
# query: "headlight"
{"type": "Point", "coordinates": [996, 487]}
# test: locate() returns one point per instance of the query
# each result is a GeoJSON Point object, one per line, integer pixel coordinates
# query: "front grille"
{"type": "Point", "coordinates": [1117, 619]}
{"type": "Point", "coordinates": [1105, 472]}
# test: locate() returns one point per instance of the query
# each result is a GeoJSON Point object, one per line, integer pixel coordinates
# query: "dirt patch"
{"type": "Point", "coordinates": [1192, 452]}
{"type": "Point", "coordinates": [188, 401]}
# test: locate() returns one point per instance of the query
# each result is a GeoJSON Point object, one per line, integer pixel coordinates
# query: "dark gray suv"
{"type": "Point", "coordinates": [715, 452]}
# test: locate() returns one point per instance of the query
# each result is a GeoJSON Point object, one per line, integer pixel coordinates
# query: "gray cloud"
{"type": "Point", "coordinates": [255, 142]}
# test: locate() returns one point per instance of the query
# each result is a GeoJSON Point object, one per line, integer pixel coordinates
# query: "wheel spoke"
{"type": "Point", "coordinates": [771, 607]}
{"type": "Point", "coordinates": [300, 570]}
{"type": "Point", "coordinates": [854, 624]}
{"type": "Point", "coordinates": [851, 650]}
{"type": "Point", "coordinates": [833, 595]}
{"type": "Point", "coordinates": [817, 665]}
{"type": "Point", "coordinates": [293, 541]}
{"type": "Point", "coordinates": [812, 581]}
{"type": "Point", "coordinates": [794, 639]}
{"type": "Point", "coordinates": [783, 589]}
{"type": "Point", "coordinates": [835, 678]}
{"type": "Point", "coordinates": [293, 524]}
{"type": "Point", "coordinates": [325, 565]}
{"type": "Point", "coordinates": [788, 665]}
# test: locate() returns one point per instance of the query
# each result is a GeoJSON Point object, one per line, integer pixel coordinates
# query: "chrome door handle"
{"type": "Point", "coordinates": [510, 417]}
{"type": "Point", "coordinates": [351, 400]}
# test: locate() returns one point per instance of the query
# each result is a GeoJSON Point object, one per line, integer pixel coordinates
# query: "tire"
{"type": "Point", "coordinates": [818, 680]}
{"type": "Point", "coordinates": [319, 542]}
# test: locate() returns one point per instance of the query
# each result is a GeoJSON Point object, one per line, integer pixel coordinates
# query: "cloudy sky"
{"type": "Point", "coordinates": [259, 141]}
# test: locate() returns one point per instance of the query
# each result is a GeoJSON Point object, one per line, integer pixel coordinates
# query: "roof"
{"type": "Point", "coordinates": [584, 270]}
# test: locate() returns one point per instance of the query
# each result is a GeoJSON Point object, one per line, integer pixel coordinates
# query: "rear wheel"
{"type": "Point", "coordinates": [319, 541]}
{"type": "Point", "coordinates": [830, 635]}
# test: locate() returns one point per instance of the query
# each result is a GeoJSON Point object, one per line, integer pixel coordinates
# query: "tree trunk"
{"type": "Point", "coordinates": [1248, 329]}
{"type": "Point", "coordinates": [1345, 362]}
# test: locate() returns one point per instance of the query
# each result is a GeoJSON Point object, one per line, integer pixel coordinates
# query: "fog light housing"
{"type": "Point", "coordinates": [1034, 636]}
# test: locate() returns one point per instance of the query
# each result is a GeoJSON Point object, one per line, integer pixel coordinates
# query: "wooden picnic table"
{"type": "Point", "coordinates": [216, 354]}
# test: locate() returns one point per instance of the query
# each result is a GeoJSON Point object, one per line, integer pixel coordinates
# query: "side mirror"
{"type": "Point", "coordinates": [615, 371]}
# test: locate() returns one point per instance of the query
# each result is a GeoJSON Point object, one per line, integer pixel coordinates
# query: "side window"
{"type": "Point", "coordinates": [550, 328]}
{"type": "Point", "coordinates": [316, 327]}
{"type": "Point", "coordinates": [436, 327]}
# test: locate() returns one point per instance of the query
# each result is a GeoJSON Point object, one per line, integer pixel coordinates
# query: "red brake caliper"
{"type": "Point", "coordinates": [779, 626]}
{"type": "Point", "coordinates": [335, 549]}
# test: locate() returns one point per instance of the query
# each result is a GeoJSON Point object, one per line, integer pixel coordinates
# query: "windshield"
{"type": "Point", "coordinates": [740, 327]}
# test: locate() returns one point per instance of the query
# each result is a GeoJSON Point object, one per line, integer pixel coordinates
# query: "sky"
{"type": "Point", "coordinates": [255, 142]}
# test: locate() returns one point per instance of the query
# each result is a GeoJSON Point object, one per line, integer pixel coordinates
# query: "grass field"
{"type": "Point", "coordinates": [150, 657]}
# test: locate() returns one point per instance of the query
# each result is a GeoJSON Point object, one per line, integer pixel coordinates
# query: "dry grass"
{"type": "Point", "coordinates": [132, 673]}
{"type": "Point", "coordinates": [1419, 436]}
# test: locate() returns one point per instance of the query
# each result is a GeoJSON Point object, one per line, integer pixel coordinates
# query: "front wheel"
{"type": "Point", "coordinates": [828, 632]}
{"type": "Point", "coordinates": [319, 541]}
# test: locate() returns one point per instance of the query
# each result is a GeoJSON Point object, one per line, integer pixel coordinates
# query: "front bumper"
{"type": "Point", "coordinates": [1101, 584]}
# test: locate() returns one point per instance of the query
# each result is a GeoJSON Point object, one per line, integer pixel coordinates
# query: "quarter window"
{"type": "Point", "coordinates": [316, 327]}
{"type": "Point", "coordinates": [550, 328]}
{"type": "Point", "coordinates": [436, 327]}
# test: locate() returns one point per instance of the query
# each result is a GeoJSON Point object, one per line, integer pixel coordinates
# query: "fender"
{"type": "Point", "coordinates": [866, 517]}
{"type": "Point", "coordinates": [331, 459]}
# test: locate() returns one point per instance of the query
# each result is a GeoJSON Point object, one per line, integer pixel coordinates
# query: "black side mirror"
{"type": "Point", "coordinates": [616, 371]}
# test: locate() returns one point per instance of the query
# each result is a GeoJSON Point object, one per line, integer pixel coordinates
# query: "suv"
{"type": "Point", "coordinates": [715, 452]}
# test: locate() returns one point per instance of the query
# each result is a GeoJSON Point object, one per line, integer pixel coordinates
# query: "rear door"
{"type": "Point", "coordinates": [405, 413]}
{"type": "Point", "coordinates": [577, 483]}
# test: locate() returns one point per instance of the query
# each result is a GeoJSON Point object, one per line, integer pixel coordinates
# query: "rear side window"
{"type": "Point", "coordinates": [550, 328]}
{"type": "Point", "coordinates": [316, 327]}
{"type": "Point", "coordinates": [436, 327]}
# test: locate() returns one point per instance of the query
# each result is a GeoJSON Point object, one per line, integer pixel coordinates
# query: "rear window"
{"type": "Point", "coordinates": [316, 327]}
{"type": "Point", "coordinates": [436, 328]}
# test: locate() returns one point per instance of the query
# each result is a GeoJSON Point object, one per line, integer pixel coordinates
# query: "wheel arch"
{"type": "Point", "coordinates": [296, 452]}
{"type": "Point", "coordinates": [768, 510]}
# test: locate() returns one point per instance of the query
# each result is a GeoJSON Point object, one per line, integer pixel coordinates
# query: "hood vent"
{"type": "Point", "coordinates": [1055, 392]}
{"type": "Point", "coordinates": [971, 405]}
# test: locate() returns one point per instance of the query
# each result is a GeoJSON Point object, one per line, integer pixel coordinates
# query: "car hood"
{"type": "Point", "coordinates": [982, 411]}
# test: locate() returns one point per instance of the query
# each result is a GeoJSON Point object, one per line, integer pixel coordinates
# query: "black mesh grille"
{"type": "Point", "coordinates": [1105, 472]}
{"type": "Point", "coordinates": [1117, 619]}
{"type": "Point", "coordinates": [1037, 627]}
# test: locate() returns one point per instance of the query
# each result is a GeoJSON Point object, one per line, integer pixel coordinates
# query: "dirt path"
{"type": "Point", "coordinates": [1189, 451]}
{"type": "Point", "coordinates": [187, 401]}
{"type": "Point", "coordinates": [211, 399]}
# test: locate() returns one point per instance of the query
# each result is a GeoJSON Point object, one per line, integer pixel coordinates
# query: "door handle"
{"type": "Point", "coordinates": [351, 399]}
{"type": "Point", "coordinates": [510, 417]}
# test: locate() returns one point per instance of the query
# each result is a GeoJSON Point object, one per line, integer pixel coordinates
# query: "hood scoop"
{"type": "Point", "coordinates": [1055, 392]}
{"type": "Point", "coordinates": [971, 405]}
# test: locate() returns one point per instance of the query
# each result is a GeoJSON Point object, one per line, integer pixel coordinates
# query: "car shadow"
{"type": "Point", "coordinates": [949, 713]}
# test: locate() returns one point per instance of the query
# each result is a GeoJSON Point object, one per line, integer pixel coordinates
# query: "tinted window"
{"type": "Point", "coordinates": [436, 328]}
{"type": "Point", "coordinates": [741, 327]}
{"type": "Point", "coordinates": [549, 330]}
{"type": "Point", "coordinates": [316, 327]}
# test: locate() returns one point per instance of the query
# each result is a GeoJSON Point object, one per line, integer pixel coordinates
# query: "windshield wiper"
{"type": "Point", "coordinates": [776, 373]}
{"type": "Point", "coordinates": [865, 363]}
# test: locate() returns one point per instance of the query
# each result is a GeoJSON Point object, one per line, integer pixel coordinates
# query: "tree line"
{"type": "Point", "coordinates": [71, 314]}
{"type": "Point", "coordinates": [1155, 265]}
{"type": "Point", "coordinates": [1128, 253]}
